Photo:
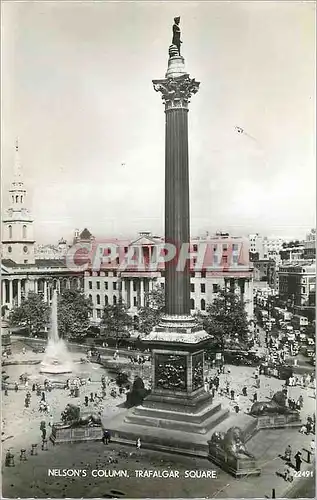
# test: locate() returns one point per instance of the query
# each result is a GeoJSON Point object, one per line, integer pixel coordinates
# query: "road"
{"type": "Point", "coordinates": [305, 488]}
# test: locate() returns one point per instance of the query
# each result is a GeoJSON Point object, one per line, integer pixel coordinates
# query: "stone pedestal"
{"type": "Point", "coordinates": [62, 434]}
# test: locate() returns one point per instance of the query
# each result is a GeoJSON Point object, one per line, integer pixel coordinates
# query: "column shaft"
{"type": "Point", "coordinates": [177, 282]}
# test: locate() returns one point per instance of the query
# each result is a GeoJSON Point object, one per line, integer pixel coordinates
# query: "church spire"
{"type": "Point", "coordinates": [17, 162]}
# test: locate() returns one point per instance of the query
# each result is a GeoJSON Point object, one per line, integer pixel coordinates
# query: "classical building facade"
{"type": "Point", "coordinates": [231, 269]}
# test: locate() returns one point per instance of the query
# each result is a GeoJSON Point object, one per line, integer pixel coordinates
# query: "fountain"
{"type": "Point", "coordinates": [57, 359]}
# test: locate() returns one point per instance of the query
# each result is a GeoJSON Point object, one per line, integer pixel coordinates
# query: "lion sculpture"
{"type": "Point", "coordinates": [276, 406]}
{"type": "Point", "coordinates": [71, 418]}
{"type": "Point", "coordinates": [232, 443]}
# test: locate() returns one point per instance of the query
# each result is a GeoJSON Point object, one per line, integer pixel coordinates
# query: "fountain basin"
{"type": "Point", "coordinates": [55, 369]}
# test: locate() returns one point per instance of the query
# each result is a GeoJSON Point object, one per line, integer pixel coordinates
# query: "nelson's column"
{"type": "Point", "coordinates": [178, 413]}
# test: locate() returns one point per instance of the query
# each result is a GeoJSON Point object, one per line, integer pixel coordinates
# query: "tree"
{"type": "Point", "coordinates": [225, 318]}
{"type": "Point", "coordinates": [33, 313]}
{"type": "Point", "coordinates": [73, 312]}
{"type": "Point", "coordinates": [151, 314]}
{"type": "Point", "coordinates": [116, 320]}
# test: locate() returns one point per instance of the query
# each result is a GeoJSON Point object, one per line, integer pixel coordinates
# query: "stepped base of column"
{"type": "Point", "coordinates": [173, 439]}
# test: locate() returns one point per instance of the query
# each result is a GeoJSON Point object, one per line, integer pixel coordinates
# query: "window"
{"type": "Point", "coordinates": [203, 288]}
{"type": "Point", "coordinates": [24, 232]}
{"type": "Point", "coordinates": [225, 259]}
{"type": "Point", "coordinates": [162, 285]}
{"type": "Point", "coordinates": [21, 199]}
{"type": "Point", "coordinates": [215, 259]}
{"type": "Point", "coordinates": [90, 285]}
{"type": "Point", "coordinates": [192, 287]}
{"type": "Point", "coordinates": [195, 248]}
{"type": "Point", "coordinates": [215, 288]}
{"type": "Point", "coordinates": [234, 247]}
{"type": "Point", "coordinates": [114, 300]}
{"type": "Point", "coordinates": [106, 285]}
{"type": "Point", "coordinates": [304, 289]}
{"type": "Point", "coordinates": [114, 274]}
{"type": "Point", "coordinates": [25, 261]}
{"type": "Point", "coordinates": [225, 247]}
{"type": "Point", "coordinates": [235, 259]}
{"type": "Point", "coordinates": [125, 249]}
{"type": "Point", "coordinates": [25, 249]}
{"type": "Point", "coordinates": [90, 298]}
{"type": "Point", "coordinates": [192, 304]}
{"type": "Point", "coordinates": [10, 232]}
{"type": "Point", "coordinates": [192, 275]}
{"type": "Point", "coordinates": [98, 285]}
{"type": "Point", "coordinates": [135, 302]}
{"type": "Point", "coordinates": [134, 286]}
{"type": "Point", "coordinates": [106, 300]}
{"type": "Point", "coordinates": [117, 260]}
{"type": "Point", "coordinates": [98, 299]}
{"type": "Point", "coordinates": [98, 313]}
{"type": "Point", "coordinates": [114, 285]}
{"type": "Point", "coordinates": [215, 248]}
{"type": "Point", "coordinates": [203, 274]}
{"type": "Point", "coordinates": [16, 199]}
{"type": "Point", "coordinates": [203, 304]}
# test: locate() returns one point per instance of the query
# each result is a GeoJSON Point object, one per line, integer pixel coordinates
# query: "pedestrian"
{"type": "Point", "coordinates": [308, 427]}
{"type": "Point", "coordinates": [288, 453]}
{"type": "Point", "coordinates": [91, 397]}
{"type": "Point", "coordinates": [43, 429]}
{"type": "Point", "coordinates": [244, 391]}
{"type": "Point", "coordinates": [33, 387]}
{"type": "Point", "coordinates": [43, 396]}
{"type": "Point", "coordinates": [303, 429]}
{"type": "Point", "coordinates": [23, 350]}
{"type": "Point", "coordinates": [301, 401]}
{"type": "Point", "coordinates": [16, 387]}
{"type": "Point", "coordinates": [257, 383]}
{"type": "Point", "coordinates": [106, 437]}
{"type": "Point", "coordinates": [213, 392]}
{"type": "Point", "coordinates": [298, 461]}
{"type": "Point", "coordinates": [138, 443]}
{"type": "Point", "coordinates": [255, 397]}
{"type": "Point", "coordinates": [288, 475]}
{"type": "Point", "coordinates": [86, 400]}
{"type": "Point", "coordinates": [236, 408]}
{"type": "Point", "coordinates": [232, 394]}
{"type": "Point", "coordinates": [312, 446]}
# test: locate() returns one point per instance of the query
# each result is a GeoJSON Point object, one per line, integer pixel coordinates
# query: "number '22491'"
{"type": "Point", "coordinates": [304, 473]}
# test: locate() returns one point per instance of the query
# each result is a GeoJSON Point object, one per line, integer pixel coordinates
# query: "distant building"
{"type": "Point", "coordinates": [257, 247]}
{"type": "Point", "coordinates": [310, 245]}
{"type": "Point", "coordinates": [58, 251]}
{"type": "Point", "coordinates": [265, 270]}
{"type": "Point", "coordinates": [297, 287]}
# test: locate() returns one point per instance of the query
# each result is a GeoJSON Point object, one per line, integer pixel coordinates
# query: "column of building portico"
{"type": "Point", "coordinates": [19, 292]}
{"type": "Point", "coordinates": [142, 292]}
{"type": "Point", "coordinates": [11, 292]}
{"type": "Point", "coordinates": [4, 292]}
{"type": "Point", "coordinates": [45, 290]}
{"type": "Point", "coordinates": [36, 286]}
{"type": "Point", "coordinates": [123, 291]}
{"type": "Point", "coordinates": [131, 294]}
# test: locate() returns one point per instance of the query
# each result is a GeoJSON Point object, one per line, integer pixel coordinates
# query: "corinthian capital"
{"type": "Point", "coordinates": [176, 92]}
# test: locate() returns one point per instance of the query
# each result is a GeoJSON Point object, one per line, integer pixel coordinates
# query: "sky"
{"type": "Point", "coordinates": [77, 91]}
